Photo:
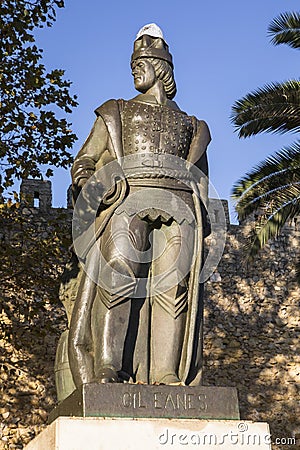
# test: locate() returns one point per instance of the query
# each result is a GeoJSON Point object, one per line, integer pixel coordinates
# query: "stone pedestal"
{"type": "Point", "coordinates": [149, 401]}
{"type": "Point", "coordinates": [130, 417]}
{"type": "Point", "coordinates": [67, 433]}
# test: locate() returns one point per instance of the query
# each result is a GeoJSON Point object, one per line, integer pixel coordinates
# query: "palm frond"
{"type": "Point", "coordinates": [284, 164]}
{"type": "Point", "coordinates": [268, 201]}
{"type": "Point", "coordinates": [285, 29]}
{"type": "Point", "coordinates": [273, 108]}
{"type": "Point", "coordinates": [269, 227]}
{"type": "Point", "coordinates": [269, 183]}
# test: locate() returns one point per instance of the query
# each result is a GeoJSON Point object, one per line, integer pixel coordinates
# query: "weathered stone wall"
{"type": "Point", "coordinates": [251, 340]}
{"type": "Point", "coordinates": [251, 332]}
{"type": "Point", "coordinates": [33, 251]}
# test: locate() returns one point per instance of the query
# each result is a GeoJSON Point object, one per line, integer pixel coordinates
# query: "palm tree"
{"type": "Point", "coordinates": [271, 191]}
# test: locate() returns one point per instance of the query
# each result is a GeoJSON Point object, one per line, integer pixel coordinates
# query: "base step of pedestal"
{"type": "Point", "coordinates": [67, 433]}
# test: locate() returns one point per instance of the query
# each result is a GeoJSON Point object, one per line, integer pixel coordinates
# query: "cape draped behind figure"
{"type": "Point", "coordinates": [116, 143]}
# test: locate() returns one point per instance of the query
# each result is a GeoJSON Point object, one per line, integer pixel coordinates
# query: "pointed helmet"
{"type": "Point", "coordinates": [150, 43]}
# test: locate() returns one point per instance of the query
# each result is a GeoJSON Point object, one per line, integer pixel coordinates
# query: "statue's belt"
{"type": "Point", "coordinates": [156, 165]}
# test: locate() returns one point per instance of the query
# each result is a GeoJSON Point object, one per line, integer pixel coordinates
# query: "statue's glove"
{"type": "Point", "coordinates": [83, 168]}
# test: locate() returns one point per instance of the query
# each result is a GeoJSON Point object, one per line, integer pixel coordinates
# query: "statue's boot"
{"type": "Point", "coordinates": [107, 375]}
{"type": "Point", "coordinates": [109, 328]}
{"type": "Point", "coordinates": [166, 344]}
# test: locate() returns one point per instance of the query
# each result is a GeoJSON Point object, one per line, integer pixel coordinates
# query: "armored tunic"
{"type": "Point", "coordinates": [155, 129]}
{"type": "Point", "coordinates": [156, 141]}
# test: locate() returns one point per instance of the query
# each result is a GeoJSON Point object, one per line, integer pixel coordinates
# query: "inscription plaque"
{"type": "Point", "coordinates": [148, 401]}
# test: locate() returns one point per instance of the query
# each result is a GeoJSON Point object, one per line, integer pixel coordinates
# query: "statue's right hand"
{"type": "Point", "coordinates": [89, 198]}
{"type": "Point", "coordinates": [92, 192]}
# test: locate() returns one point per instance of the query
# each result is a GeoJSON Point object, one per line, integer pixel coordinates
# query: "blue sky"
{"type": "Point", "coordinates": [220, 50]}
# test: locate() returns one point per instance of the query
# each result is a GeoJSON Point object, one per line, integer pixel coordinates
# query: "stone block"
{"type": "Point", "coordinates": [131, 400]}
{"type": "Point", "coordinates": [67, 433]}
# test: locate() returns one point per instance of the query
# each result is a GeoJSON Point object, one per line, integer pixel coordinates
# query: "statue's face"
{"type": "Point", "coordinates": [143, 74]}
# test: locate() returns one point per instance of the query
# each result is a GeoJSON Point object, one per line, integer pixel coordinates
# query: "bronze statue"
{"type": "Point", "coordinates": [142, 172]}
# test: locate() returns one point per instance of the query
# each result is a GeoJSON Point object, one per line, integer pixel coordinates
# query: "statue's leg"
{"type": "Point", "coordinates": [169, 292]}
{"type": "Point", "coordinates": [79, 341]}
{"type": "Point", "coordinates": [109, 328]}
{"type": "Point", "coordinates": [120, 245]}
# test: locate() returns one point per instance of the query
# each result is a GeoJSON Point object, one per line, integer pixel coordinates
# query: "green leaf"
{"type": "Point", "coordinates": [285, 29]}
{"type": "Point", "coordinates": [273, 108]}
{"type": "Point", "coordinates": [34, 103]}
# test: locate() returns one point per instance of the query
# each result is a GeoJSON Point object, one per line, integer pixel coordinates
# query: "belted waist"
{"type": "Point", "coordinates": [155, 166]}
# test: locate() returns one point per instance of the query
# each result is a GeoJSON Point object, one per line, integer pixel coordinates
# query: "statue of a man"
{"type": "Point", "coordinates": [138, 310]}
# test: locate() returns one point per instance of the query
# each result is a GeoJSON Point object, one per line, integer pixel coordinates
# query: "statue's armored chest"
{"type": "Point", "coordinates": [155, 129]}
